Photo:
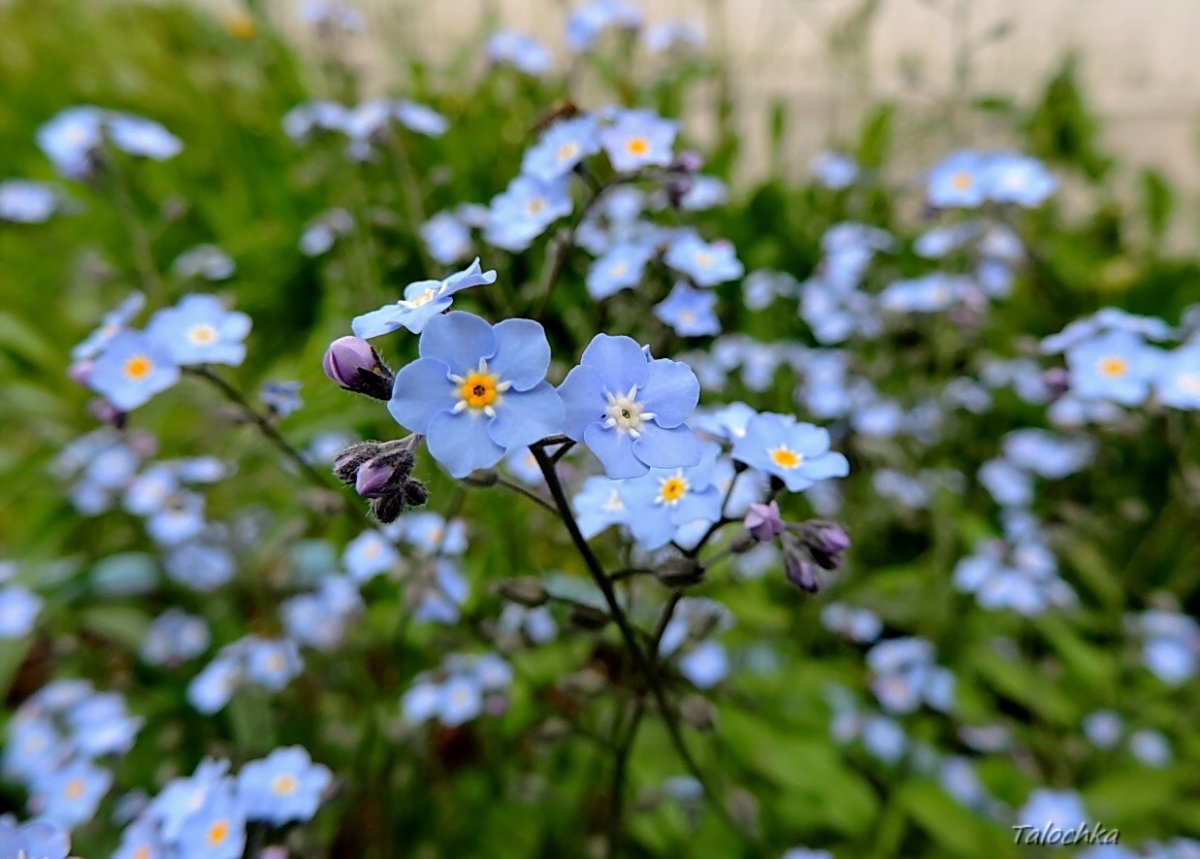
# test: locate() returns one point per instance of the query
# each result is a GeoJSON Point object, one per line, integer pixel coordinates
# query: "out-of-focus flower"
{"type": "Point", "coordinates": [524, 210]}
{"type": "Point", "coordinates": [422, 301]}
{"type": "Point", "coordinates": [199, 330]}
{"type": "Point", "coordinates": [132, 368]}
{"type": "Point", "coordinates": [564, 145]}
{"type": "Point", "coordinates": [639, 138]}
{"type": "Point", "coordinates": [522, 52]}
{"type": "Point", "coordinates": [25, 202]}
{"type": "Point", "coordinates": [283, 787]}
{"type": "Point", "coordinates": [690, 312]}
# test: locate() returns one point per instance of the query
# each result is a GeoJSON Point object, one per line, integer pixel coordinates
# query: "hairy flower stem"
{"type": "Point", "coordinates": [262, 422]}
{"type": "Point", "coordinates": [647, 666]}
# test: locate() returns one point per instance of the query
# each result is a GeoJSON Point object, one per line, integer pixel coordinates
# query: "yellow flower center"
{"type": "Point", "coordinates": [1190, 382]}
{"type": "Point", "coordinates": [1114, 366]}
{"type": "Point", "coordinates": [478, 390]}
{"type": "Point", "coordinates": [961, 181]}
{"type": "Point", "coordinates": [138, 367]}
{"type": "Point", "coordinates": [618, 269]}
{"type": "Point", "coordinates": [143, 852]}
{"type": "Point", "coordinates": [637, 146]}
{"type": "Point", "coordinates": [218, 832]}
{"type": "Point", "coordinates": [614, 502]}
{"type": "Point", "coordinates": [703, 259]}
{"type": "Point", "coordinates": [284, 785]}
{"type": "Point", "coordinates": [75, 788]}
{"type": "Point", "coordinates": [672, 489]}
{"type": "Point", "coordinates": [784, 457]}
{"type": "Point", "coordinates": [202, 334]}
{"type": "Point", "coordinates": [687, 317]}
{"type": "Point", "coordinates": [535, 205]}
{"type": "Point", "coordinates": [568, 151]}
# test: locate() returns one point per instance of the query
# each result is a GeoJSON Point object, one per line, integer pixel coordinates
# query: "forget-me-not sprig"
{"type": "Point", "coordinates": [665, 500]}
{"type": "Point", "coordinates": [478, 391]}
{"type": "Point", "coordinates": [629, 408]}
{"type": "Point", "coordinates": [284, 786]}
{"type": "Point", "coordinates": [564, 145]}
{"type": "Point", "coordinates": [523, 211]}
{"type": "Point", "coordinates": [1118, 366]}
{"type": "Point", "coordinates": [797, 453]}
{"type": "Point", "coordinates": [199, 330]}
{"type": "Point", "coordinates": [637, 139]}
{"type": "Point", "coordinates": [422, 301]}
{"type": "Point", "coordinates": [706, 263]}
{"type": "Point", "coordinates": [132, 368]}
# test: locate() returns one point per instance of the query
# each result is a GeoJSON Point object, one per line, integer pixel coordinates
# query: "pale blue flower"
{"type": "Point", "coordinates": [520, 51]}
{"type": "Point", "coordinates": [690, 312]}
{"type": "Point", "coordinates": [620, 267]}
{"type": "Point", "coordinates": [564, 145]}
{"type": "Point", "coordinates": [133, 368]}
{"type": "Point", "coordinates": [1116, 366]}
{"type": "Point", "coordinates": [637, 139]}
{"type": "Point", "coordinates": [283, 787]}
{"type": "Point", "coordinates": [629, 409]}
{"type": "Point", "coordinates": [707, 264]}
{"type": "Point", "coordinates": [25, 202]}
{"type": "Point", "coordinates": [422, 301]}
{"type": "Point", "coordinates": [524, 210]}
{"type": "Point", "coordinates": [199, 330]}
{"type": "Point", "coordinates": [478, 391]}
{"type": "Point", "coordinates": [797, 453]}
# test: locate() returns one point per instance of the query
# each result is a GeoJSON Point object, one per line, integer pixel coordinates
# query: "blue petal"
{"type": "Point", "coordinates": [671, 392]}
{"type": "Point", "coordinates": [808, 439]}
{"type": "Point", "coordinates": [472, 275]}
{"type": "Point", "coordinates": [421, 392]}
{"type": "Point", "coordinates": [522, 354]}
{"type": "Point", "coordinates": [620, 361]}
{"type": "Point", "coordinates": [524, 417]}
{"type": "Point", "coordinates": [461, 443]}
{"type": "Point", "coordinates": [652, 530]}
{"type": "Point", "coordinates": [377, 322]}
{"type": "Point", "coordinates": [582, 394]}
{"type": "Point", "coordinates": [615, 452]}
{"type": "Point", "coordinates": [668, 448]}
{"type": "Point", "coordinates": [823, 467]}
{"type": "Point", "coordinates": [458, 340]}
{"type": "Point", "coordinates": [416, 319]}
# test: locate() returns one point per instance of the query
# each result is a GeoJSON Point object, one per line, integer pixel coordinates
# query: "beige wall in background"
{"type": "Point", "coordinates": [1139, 59]}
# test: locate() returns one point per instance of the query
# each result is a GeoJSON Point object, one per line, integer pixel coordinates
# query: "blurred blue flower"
{"type": "Point", "coordinates": [690, 312]}
{"type": "Point", "coordinates": [620, 267]}
{"type": "Point", "coordinates": [1019, 179]}
{"type": "Point", "coordinates": [1103, 729]}
{"type": "Point", "coordinates": [200, 566]}
{"type": "Point", "coordinates": [883, 738]}
{"type": "Point", "coordinates": [214, 830]}
{"type": "Point", "coordinates": [173, 637]}
{"type": "Point", "coordinates": [478, 391]}
{"type": "Point", "coordinates": [796, 453]}
{"type": "Point", "coordinates": [320, 234]}
{"type": "Point", "coordinates": [563, 145]}
{"type": "Point", "coordinates": [960, 181]}
{"type": "Point", "coordinates": [199, 330]}
{"type": "Point", "coordinates": [637, 139]}
{"type": "Point", "coordinates": [673, 34]}
{"type": "Point", "coordinates": [707, 264]}
{"type": "Point", "coordinates": [132, 368]}
{"type": "Point", "coordinates": [70, 796]}
{"type": "Point", "coordinates": [25, 202]}
{"type": "Point", "coordinates": [1059, 809]}
{"type": "Point", "coordinates": [135, 135]}
{"type": "Point", "coordinates": [523, 52]}
{"type": "Point", "coordinates": [524, 210]}
{"type": "Point", "coordinates": [588, 21]}
{"type": "Point", "coordinates": [421, 118]}
{"type": "Point", "coordinates": [19, 609]}
{"type": "Point", "coordinates": [1150, 748]}
{"type": "Point", "coordinates": [835, 170]}
{"type": "Point", "coordinates": [272, 663]}
{"type": "Point", "coordinates": [113, 322]}
{"type": "Point", "coordinates": [460, 700]}
{"type": "Point", "coordinates": [927, 294]}
{"type": "Point", "coordinates": [447, 238]}
{"type": "Point", "coordinates": [704, 192]}
{"type": "Point", "coordinates": [431, 533]}
{"type": "Point", "coordinates": [211, 689]}
{"type": "Point", "coordinates": [368, 555]}
{"type": "Point", "coordinates": [629, 409]}
{"type": "Point", "coordinates": [206, 261]}
{"type": "Point", "coordinates": [705, 665]}
{"type": "Point", "coordinates": [283, 787]}
{"type": "Point", "coordinates": [71, 138]}
{"type": "Point", "coordinates": [1177, 383]}
{"type": "Point", "coordinates": [599, 505]}
{"type": "Point", "coordinates": [1116, 366]}
{"type": "Point", "coordinates": [34, 839]}
{"type": "Point", "coordinates": [422, 301]}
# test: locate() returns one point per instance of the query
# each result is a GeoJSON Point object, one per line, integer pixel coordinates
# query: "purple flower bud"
{"type": "Point", "coordinates": [826, 542]}
{"type": "Point", "coordinates": [374, 478]}
{"type": "Point", "coordinates": [355, 365]}
{"type": "Point", "coordinates": [764, 521]}
{"type": "Point", "coordinates": [687, 161]}
{"type": "Point", "coordinates": [799, 568]}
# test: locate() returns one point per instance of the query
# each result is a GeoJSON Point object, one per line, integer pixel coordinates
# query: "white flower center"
{"type": "Point", "coordinates": [430, 293]}
{"type": "Point", "coordinates": [202, 334]}
{"type": "Point", "coordinates": [624, 413]}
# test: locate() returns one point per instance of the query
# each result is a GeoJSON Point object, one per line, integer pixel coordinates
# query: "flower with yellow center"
{"type": "Point", "coordinates": [479, 391]}
{"type": "Point", "coordinates": [1114, 366]}
{"type": "Point", "coordinates": [75, 788]}
{"type": "Point", "coordinates": [535, 205]}
{"type": "Point", "coordinates": [785, 457]}
{"type": "Point", "coordinates": [138, 367]}
{"type": "Point", "coordinates": [704, 259]}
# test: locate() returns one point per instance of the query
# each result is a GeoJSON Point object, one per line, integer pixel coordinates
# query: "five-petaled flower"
{"type": "Point", "coordinates": [199, 330]}
{"type": "Point", "coordinates": [478, 391]}
{"type": "Point", "coordinates": [796, 453]}
{"type": "Point", "coordinates": [422, 301]}
{"type": "Point", "coordinates": [132, 368]}
{"type": "Point", "coordinates": [630, 408]}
